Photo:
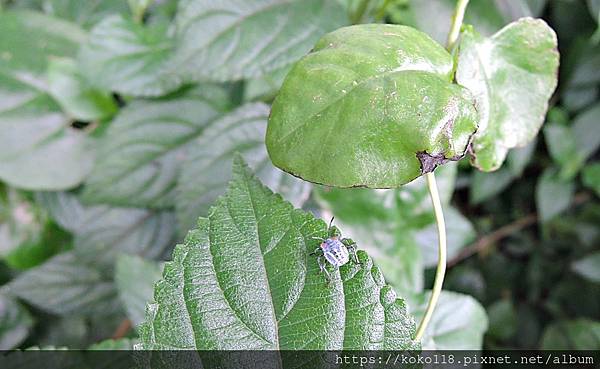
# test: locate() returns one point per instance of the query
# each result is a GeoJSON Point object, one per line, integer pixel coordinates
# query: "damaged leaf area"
{"type": "Point", "coordinates": [365, 105]}
{"type": "Point", "coordinates": [512, 76]}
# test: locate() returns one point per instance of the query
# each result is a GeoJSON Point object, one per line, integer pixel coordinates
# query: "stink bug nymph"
{"type": "Point", "coordinates": [335, 250]}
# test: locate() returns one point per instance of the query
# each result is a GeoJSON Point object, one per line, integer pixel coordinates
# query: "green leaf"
{"type": "Point", "coordinates": [586, 132]}
{"type": "Point", "coordinates": [15, 322]}
{"type": "Point", "coordinates": [588, 267]}
{"type": "Point", "coordinates": [266, 86]}
{"type": "Point", "coordinates": [129, 58]}
{"type": "Point", "coordinates": [594, 6]}
{"type": "Point", "coordinates": [458, 322]}
{"type": "Point", "coordinates": [503, 320]}
{"type": "Point", "coordinates": [396, 226]}
{"type": "Point", "coordinates": [103, 231]}
{"type": "Point", "coordinates": [207, 169]}
{"type": "Point", "coordinates": [561, 144]}
{"type": "Point", "coordinates": [518, 158]}
{"type": "Point", "coordinates": [578, 334]}
{"type": "Point", "coordinates": [38, 147]}
{"type": "Point", "coordinates": [552, 195]}
{"type": "Point", "coordinates": [140, 153]}
{"type": "Point", "coordinates": [487, 185]}
{"type": "Point", "coordinates": [67, 284]}
{"type": "Point", "coordinates": [228, 40]}
{"type": "Point", "coordinates": [244, 279]}
{"type": "Point", "coordinates": [85, 13]}
{"type": "Point", "coordinates": [434, 16]}
{"type": "Point", "coordinates": [460, 234]}
{"type": "Point", "coordinates": [571, 146]}
{"type": "Point", "coordinates": [135, 278]}
{"type": "Point", "coordinates": [591, 177]}
{"type": "Point", "coordinates": [74, 95]}
{"type": "Point", "coordinates": [370, 106]}
{"type": "Point", "coordinates": [512, 75]}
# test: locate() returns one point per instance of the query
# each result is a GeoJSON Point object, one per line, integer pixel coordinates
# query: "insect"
{"type": "Point", "coordinates": [335, 250]}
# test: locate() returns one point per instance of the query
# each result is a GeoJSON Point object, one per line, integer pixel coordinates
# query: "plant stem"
{"type": "Point", "coordinates": [441, 266]}
{"type": "Point", "coordinates": [457, 19]}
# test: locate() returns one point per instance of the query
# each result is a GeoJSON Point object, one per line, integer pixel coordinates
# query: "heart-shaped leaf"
{"type": "Point", "coordinates": [231, 40]}
{"type": "Point", "coordinates": [371, 106]}
{"type": "Point", "coordinates": [512, 75]}
{"type": "Point", "coordinates": [244, 279]}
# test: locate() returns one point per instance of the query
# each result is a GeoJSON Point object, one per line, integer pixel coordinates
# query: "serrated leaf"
{"type": "Point", "coordinates": [588, 267]}
{"type": "Point", "coordinates": [74, 95]}
{"type": "Point", "coordinates": [207, 169]}
{"type": "Point", "coordinates": [103, 231]}
{"type": "Point", "coordinates": [578, 334]}
{"type": "Point", "coordinates": [15, 322]}
{"type": "Point", "coordinates": [231, 40]}
{"type": "Point", "coordinates": [140, 154]}
{"type": "Point", "coordinates": [371, 106]}
{"type": "Point", "coordinates": [512, 75]}
{"type": "Point", "coordinates": [393, 226]}
{"type": "Point", "coordinates": [552, 195]}
{"type": "Point", "coordinates": [135, 278]}
{"type": "Point", "coordinates": [38, 148]}
{"type": "Point", "coordinates": [129, 58]}
{"type": "Point", "coordinates": [458, 322]}
{"type": "Point", "coordinates": [67, 284]}
{"type": "Point", "coordinates": [244, 279]}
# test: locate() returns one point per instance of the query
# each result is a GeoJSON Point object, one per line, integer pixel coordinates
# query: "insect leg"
{"type": "Point", "coordinates": [351, 246]}
{"type": "Point", "coordinates": [318, 251]}
{"type": "Point", "coordinates": [323, 268]}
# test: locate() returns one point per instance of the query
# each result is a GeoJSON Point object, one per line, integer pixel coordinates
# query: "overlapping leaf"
{"type": "Point", "coordinates": [67, 284]}
{"type": "Point", "coordinates": [135, 278]}
{"type": "Point", "coordinates": [458, 323]}
{"type": "Point", "coordinates": [397, 227]}
{"type": "Point", "coordinates": [140, 154]}
{"type": "Point", "coordinates": [103, 231]}
{"type": "Point", "coordinates": [15, 322]}
{"type": "Point", "coordinates": [128, 58]}
{"type": "Point", "coordinates": [207, 169]}
{"type": "Point", "coordinates": [512, 75]}
{"type": "Point", "coordinates": [371, 105]}
{"type": "Point", "coordinates": [244, 280]}
{"type": "Point", "coordinates": [38, 148]}
{"type": "Point", "coordinates": [231, 40]}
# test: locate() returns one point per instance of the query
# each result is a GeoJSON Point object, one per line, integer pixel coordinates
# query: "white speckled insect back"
{"type": "Point", "coordinates": [335, 251]}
